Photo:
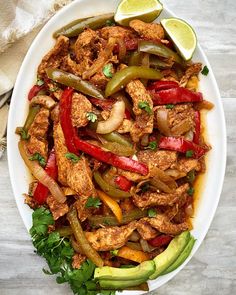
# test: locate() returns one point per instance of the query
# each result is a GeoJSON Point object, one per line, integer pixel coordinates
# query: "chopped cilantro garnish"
{"type": "Point", "coordinates": [73, 157]}
{"type": "Point", "coordinates": [189, 154]}
{"type": "Point", "coordinates": [191, 176]}
{"type": "Point", "coordinates": [39, 158]}
{"type": "Point", "coordinates": [205, 71]}
{"type": "Point", "coordinates": [152, 212]}
{"type": "Point", "coordinates": [190, 191]}
{"type": "Point", "coordinates": [170, 106]}
{"type": "Point", "coordinates": [107, 70]}
{"type": "Point", "coordinates": [114, 252]}
{"type": "Point", "coordinates": [91, 117]}
{"type": "Point", "coordinates": [152, 145]}
{"type": "Point", "coordinates": [39, 82]}
{"type": "Point", "coordinates": [93, 202]}
{"type": "Point", "coordinates": [144, 105]}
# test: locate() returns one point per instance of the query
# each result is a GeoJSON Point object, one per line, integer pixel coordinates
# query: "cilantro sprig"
{"type": "Point", "coordinates": [152, 212]}
{"type": "Point", "coordinates": [107, 70]}
{"type": "Point", "coordinates": [144, 105]}
{"type": "Point", "coordinates": [152, 145]}
{"type": "Point", "coordinates": [58, 253]}
{"type": "Point", "coordinates": [205, 71]}
{"type": "Point", "coordinates": [93, 202]}
{"type": "Point", "coordinates": [91, 117]}
{"type": "Point", "coordinates": [73, 157]}
{"type": "Point", "coordinates": [39, 158]}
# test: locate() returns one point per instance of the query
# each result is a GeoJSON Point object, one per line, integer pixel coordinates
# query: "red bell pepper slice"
{"type": "Point", "coordinates": [159, 241]}
{"type": "Point", "coordinates": [163, 85]}
{"type": "Point", "coordinates": [65, 119]}
{"type": "Point", "coordinates": [175, 95]}
{"type": "Point", "coordinates": [197, 131]}
{"type": "Point", "coordinates": [182, 145]}
{"type": "Point", "coordinates": [123, 183]}
{"type": "Point", "coordinates": [34, 91]}
{"type": "Point", "coordinates": [110, 158]}
{"type": "Point", "coordinates": [105, 104]}
{"type": "Point", "coordinates": [41, 191]}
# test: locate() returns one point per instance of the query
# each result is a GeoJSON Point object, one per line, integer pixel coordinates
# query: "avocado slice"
{"type": "Point", "coordinates": [182, 257]}
{"type": "Point", "coordinates": [120, 285]}
{"type": "Point", "coordinates": [142, 271]}
{"type": "Point", "coordinates": [166, 258]}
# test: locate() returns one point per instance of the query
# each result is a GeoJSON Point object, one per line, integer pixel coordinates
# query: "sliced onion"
{"type": "Point", "coordinates": [145, 246]}
{"type": "Point", "coordinates": [175, 173]}
{"type": "Point", "coordinates": [134, 245]}
{"type": "Point", "coordinates": [122, 48]}
{"type": "Point", "coordinates": [181, 128]}
{"type": "Point", "coordinates": [145, 60]}
{"type": "Point", "coordinates": [134, 237]}
{"type": "Point", "coordinates": [115, 119]}
{"type": "Point", "coordinates": [162, 121]}
{"type": "Point", "coordinates": [40, 174]}
{"type": "Point", "coordinates": [158, 184]}
{"type": "Point", "coordinates": [163, 176]}
{"type": "Point", "coordinates": [43, 100]}
{"type": "Point", "coordinates": [189, 135]}
{"type": "Point", "coordinates": [189, 210]}
{"type": "Point", "coordinates": [145, 140]}
{"type": "Point", "coordinates": [103, 57]}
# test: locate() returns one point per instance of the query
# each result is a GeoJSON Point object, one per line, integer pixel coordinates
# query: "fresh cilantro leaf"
{"type": "Point", "coordinates": [205, 71]}
{"type": "Point", "coordinates": [39, 82]}
{"type": "Point", "coordinates": [144, 105]}
{"type": "Point", "coordinates": [114, 252]}
{"type": "Point", "coordinates": [110, 23]}
{"type": "Point", "coordinates": [189, 154]}
{"type": "Point", "coordinates": [73, 157]}
{"type": "Point", "coordinates": [93, 202]}
{"type": "Point", "coordinates": [42, 218]}
{"type": "Point", "coordinates": [39, 158]}
{"type": "Point", "coordinates": [170, 106]}
{"type": "Point", "coordinates": [152, 212]}
{"type": "Point", "coordinates": [91, 117]}
{"type": "Point", "coordinates": [107, 70]}
{"type": "Point", "coordinates": [152, 145]}
{"type": "Point", "coordinates": [190, 191]}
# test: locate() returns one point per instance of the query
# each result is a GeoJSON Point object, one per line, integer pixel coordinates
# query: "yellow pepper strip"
{"type": "Point", "coordinates": [78, 232]}
{"type": "Point", "coordinates": [68, 191]}
{"type": "Point", "coordinates": [131, 254]}
{"type": "Point", "coordinates": [112, 204]}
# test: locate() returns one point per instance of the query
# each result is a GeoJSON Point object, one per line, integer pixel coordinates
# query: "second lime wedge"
{"type": "Point", "coordinates": [182, 35]}
{"type": "Point", "coordinates": [145, 10]}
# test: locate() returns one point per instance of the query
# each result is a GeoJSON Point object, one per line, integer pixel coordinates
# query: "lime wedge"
{"type": "Point", "coordinates": [145, 10]}
{"type": "Point", "coordinates": [182, 35]}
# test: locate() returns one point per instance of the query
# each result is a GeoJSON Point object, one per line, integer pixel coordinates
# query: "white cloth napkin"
{"type": "Point", "coordinates": [20, 21]}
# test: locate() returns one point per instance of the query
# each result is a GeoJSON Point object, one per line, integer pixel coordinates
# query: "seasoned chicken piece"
{"type": "Point", "coordinates": [149, 199]}
{"type": "Point", "coordinates": [55, 56]}
{"type": "Point", "coordinates": [117, 32]}
{"type": "Point", "coordinates": [38, 130]}
{"type": "Point", "coordinates": [87, 47]}
{"type": "Point", "coordinates": [109, 238]}
{"type": "Point", "coordinates": [63, 163]}
{"type": "Point", "coordinates": [163, 225]}
{"type": "Point", "coordinates": [145, 230]}
{"type": "Point", "coordinates": [144, 119]}
{"type": "Point", "coordinates": [185, 165]}
{"type": "Point", "coordinates": [57, 209]}
{"type": "Point", "coordinates": [79, 178]}
{"type": "Point", "coordinates": [126, 126]}
{"type": "Point", "coordinates": [78, 259]}
{"type": "Point", "coordinates": [146, 30]}
{"type": "Point", "coordinates": [83, 212]}
{"type": "Point", "coordinates": [161, 159]}
{"type": "Point", "coordinates": [193, 69]}
{"type": "Point", "coordinates": [100, 80]}
{"type": "Point", "coordinates": [71, 66]}
{"type": "Point", "coordinates": [80, 107]}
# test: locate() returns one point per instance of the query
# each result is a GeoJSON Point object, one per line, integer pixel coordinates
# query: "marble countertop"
{"type": "Point", "coordinates": [212, 270]}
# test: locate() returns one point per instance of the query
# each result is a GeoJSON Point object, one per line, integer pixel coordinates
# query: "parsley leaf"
{"type": "Point", "coordinates": [39, 82]}
{"type": "Point", "coordinates": [152, 145]}
{"type": "Point", "coordinates": [144, 105]}
{"type": "Point", "coordinates": [107, 70]}
{"type": "Point", "coordinates": [152, 212]}
{"type": "Point", "coordinates": [93, 202]}
{"type": "Point", "coordinates": [190, 191]}
{"type": "Point", "coordinates": [189, 154]}
{"type": "Point", "coordinates": [91, 117]}
{"type": "Point", "coordinates": [205, 71]}
{"type": "Point", "coordinates": [42, 218]}
{"type": "Point", "coordinates": [73, 157]}
{"type": "Point", "coordinates": [39, 158]}
{"type": "Point", "coordinates": [170, 106]}
{"type": "Point", "coordinates": [114, 252]}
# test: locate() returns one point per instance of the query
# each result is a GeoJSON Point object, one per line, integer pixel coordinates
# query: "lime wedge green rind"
{"type": "Point", "coordinates": [182, 35]}
{"type": "Point", "coordinates": [145, 10]}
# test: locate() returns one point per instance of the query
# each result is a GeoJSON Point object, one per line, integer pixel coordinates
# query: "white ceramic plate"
{"type": "Point", "coordinates": [215, 123]}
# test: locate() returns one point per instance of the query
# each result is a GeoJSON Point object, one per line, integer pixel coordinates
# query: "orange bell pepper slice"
{"type": "Point", "coordinates": [131, 254]}
{"type": "Point", "coordinates": [112, 204]}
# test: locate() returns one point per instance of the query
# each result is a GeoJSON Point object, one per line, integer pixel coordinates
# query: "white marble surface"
{"type": "Point", "coordinates": [212, 271]}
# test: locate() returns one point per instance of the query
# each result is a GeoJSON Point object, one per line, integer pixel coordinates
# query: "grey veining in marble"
{"type": "Point", "coordinates": [212, 271]}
